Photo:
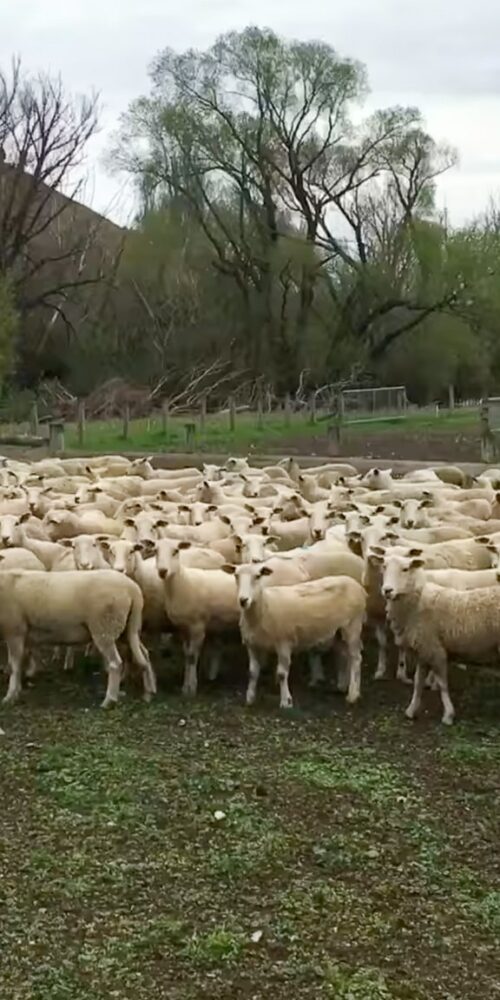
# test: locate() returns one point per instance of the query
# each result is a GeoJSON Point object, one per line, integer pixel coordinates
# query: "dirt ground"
{"type": "Point", "coordinates": [423, 446]}
{"type": "Point", "coordinates": [205, 850]}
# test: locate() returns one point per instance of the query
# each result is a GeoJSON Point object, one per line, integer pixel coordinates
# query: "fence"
{"type": "Point", "coordinates": [168, 429]}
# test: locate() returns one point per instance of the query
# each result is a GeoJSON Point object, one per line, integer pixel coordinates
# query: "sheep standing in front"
{"type": "Point", "coordinates": [69, 609]}
{"type": "Point", "coordinates": [435, 621]}
{"type": "Point", "coordinates": [197, 602]}
{"type": "Point", "coordinates": [301, 616]}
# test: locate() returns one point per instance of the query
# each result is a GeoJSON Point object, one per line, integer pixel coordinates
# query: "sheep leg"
{"type": "Point", "coordinates": [431, 681]}
{"type": "Point", "coordinates": [282, 672]}
{"type": "Point", "coordinates": [381, 671]}
{"type": "Point", "coordinates": [69, 659]}
{"type": "Point", "coordinates": [254, 668]}
{"type": "Point", "coordinates": [418, 688]}
{"type": "Point", "coordinates": [140, 657]}
{"type": "Point", "coordinates": [113, 662]}
{"type": "Point", "coordinates": [441, 677]}
{"type": "Point", "coordinates": [214, 663]}
{"type": "Point", "coordinates": [192, 649]}
{"type": "Point", "coordinates": [352, 638]}
{"type": "Point", "coordinates": [15, 651]}
{"type": "Point", "coordinates": [402, 670]}
{"type": "Point", "coordinates": [32, 668]}
{"type": "Point", "coordinates": [317, 673]}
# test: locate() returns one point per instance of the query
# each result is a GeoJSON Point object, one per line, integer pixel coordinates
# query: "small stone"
{"type": "Point", "coordinates": [182, 722]}
{"type": "Point", "coordinates": [373, 853]}
{"type": "Point", "coordinates": [219, 815]}
{"type": "Point", "coordinates": [2, 732]}
{"type": "Point", "coordinates": [256, 937]}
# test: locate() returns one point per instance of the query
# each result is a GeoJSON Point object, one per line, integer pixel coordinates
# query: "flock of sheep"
{"type": "Point", "coordinates": [105, 550]}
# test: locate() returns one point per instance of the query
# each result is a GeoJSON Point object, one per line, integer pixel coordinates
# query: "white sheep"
{"type": "Point", "coordinates": [434, 621]}
{"type": "Point", "coordinates": [301, 616]}
{"type": "Point", "coordinates": [70, 609]}
{"type": "Point", "coordinates": [197, 602]}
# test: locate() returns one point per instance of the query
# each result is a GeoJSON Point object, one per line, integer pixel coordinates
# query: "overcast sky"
{"type": "Point", "coordinates": [442, 55]}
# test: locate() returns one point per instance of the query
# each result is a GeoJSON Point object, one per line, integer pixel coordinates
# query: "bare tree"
{"type": "Point", "coordinates": [49, 247]}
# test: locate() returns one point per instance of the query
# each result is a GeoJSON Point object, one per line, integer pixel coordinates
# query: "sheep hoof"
{"type": "Point", "coordinates": [188, 691]}
{"type": "Point", "coordinates": [380, 675]}
{"type": "Point", "coordinates": [287, 703]}
{"type": "Point", "coordinates": [109, 703]}
{"type": "Point", "coordinates": [447, 720]}
{"type": "Point", "coordinates": [10, 699]}
{"type": "Point", "coordinates": [147, 697]}
{"type": "Point", "coordinates": [404, 679]}
{"type": "Point", "coordinates": [411, 713]}
{"type": "Point", "coordinates": [351, 699]}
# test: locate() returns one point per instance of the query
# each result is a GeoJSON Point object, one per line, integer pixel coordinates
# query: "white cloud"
{"type": "Point", "coordinates": [442, 56]}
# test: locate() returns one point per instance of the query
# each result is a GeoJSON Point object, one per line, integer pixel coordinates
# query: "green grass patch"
{"type": "Point", "coordinates": [216, 436]}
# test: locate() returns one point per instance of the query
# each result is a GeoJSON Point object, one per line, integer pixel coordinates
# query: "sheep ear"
{"type": "Point", "coordinates": [184, 507]}
{"type": "Point", "coordinates": [67, 543]}
{"type": "Point", "coordinates": [229, 568]}
{"type": "Point", "coordinates": [238, 539]}
{"type": "Point", "coordinates": [24, 517]}
{"type": "Point", "coordinates": [425, 503]}
{"type": "Point", "coordinates": [161, 523]}
{"type": "Point", "coordinates": [417, 563]}
{"type": "Point", "coordinates": [375, 558]}
{"type": "Point", "coordinates": [415, 552]}
{"type": "Point", "coordinates": [380, 509]}
{"type": "Point", "coordinates": [259, 520]}
{"type": "Point", "coordinates": [1, 556]}
{"type": "Point", "coordinates": [250, 507]}
{"type": "Point", "coordinates": [341, 515]}
{"type": "Point", "coordinates": [398, 503]}
{"type": "Point", "coordinates": [211, 507]}
{"type": "Point", "coordinates": [483, 540]}
{"type": "Point", "coordinates": [265, 571]}
{"type": "Point", "coordinates": [377, 550]}
{"type": "Point", "coordinates": [364, 519]}
{"type": "Point", "coordinates": [183, 545]}
{"type": "Point", "coordinates": [129, 521]}
{"type": "Point", "coordinates": [391, 535]}
{"type": "Point", "coordinates": [138, 547]}
{"type": "Point", "coordinates": [225, 519]}
{"type": "Point", "coordinates": [279, 510]}
{"type": "Point", "coordinates": [497, 497]}
{"type": "Point", "coordinates": [103, 542]}
{"type": "Point", "coordinates": [394, 520]}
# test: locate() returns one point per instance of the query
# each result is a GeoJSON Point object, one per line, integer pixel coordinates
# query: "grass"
{"type": "Point", "coordinates": [147, 435]}
{"type": "Point", "coordinates": [201, 850]}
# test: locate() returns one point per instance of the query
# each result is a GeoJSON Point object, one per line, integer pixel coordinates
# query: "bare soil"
{"type": "Point", "coordinates": [414, 445]}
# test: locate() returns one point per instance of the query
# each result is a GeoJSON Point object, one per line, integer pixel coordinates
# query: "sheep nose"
{"type": "Point", "coordinates": [388, 591]}
{"type": "Point", "coordinates": [243, 602]}
{"type": "Point", "coordinates": [410, 524]}
{"type": "Point", "coordinates": [317, 533]}
{"type": "Point", "coordinates": [162, 573]}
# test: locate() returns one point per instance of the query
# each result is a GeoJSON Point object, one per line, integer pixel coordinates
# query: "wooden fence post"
{"type": "Point", "coordinates": [312, 408]}
{"type": "Point", "coordinates": [126, 421]}
{"type": "Point", "coordinates": [260, 413]}
{"type": "Point", "coordinates": [232, 414]}
{"type": "Point", "coordinates": [34, 419]}
{"type": "Point", "coordinates": [56, 437]}
{"type": "Point", "coordinates": [81, 422]}
{"type": "Point", "coordinates": [164, 417]}
{"type": "Point", "coordinates": [203, 413]}
{"type": "Point", "coordinates": [288, 410]}
{"type": "Point", "coordinates": [451, 396]}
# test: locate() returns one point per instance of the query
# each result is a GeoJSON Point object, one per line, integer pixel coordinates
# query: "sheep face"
{"type": "Point", "coordinates": [167, 553]}
{"type": "Point", "coordinates": [250, 579]}
{"type": "Point", "coordinates": [252, 548]}
{"type": "Point", "coordinates": [86, 551]}
{"type": "Point", "coordinates": [402, 575]}
{"type": "Point", "coordinates": [9, 531]}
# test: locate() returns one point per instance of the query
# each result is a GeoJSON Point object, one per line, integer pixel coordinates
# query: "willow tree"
{"type": "Point", "coordinates": [261, 137]}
